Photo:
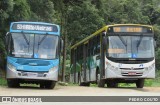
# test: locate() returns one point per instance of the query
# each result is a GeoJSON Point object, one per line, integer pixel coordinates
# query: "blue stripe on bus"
{"type": "Point", "coordinates": [36, 32]}
{"type": "Point", "coordinates": [13, 61]}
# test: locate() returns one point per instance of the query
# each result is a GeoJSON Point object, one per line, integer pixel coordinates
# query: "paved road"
{"type": "Point", "coordinates": [79, 91]}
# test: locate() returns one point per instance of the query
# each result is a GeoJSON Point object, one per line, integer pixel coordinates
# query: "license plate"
{"type": "Point", "coordinates": [132, 73]}
{"type": "Point", "coordinates": [32, 74]}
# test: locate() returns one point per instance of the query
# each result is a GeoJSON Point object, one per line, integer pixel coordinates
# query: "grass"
{"type": "Point", "coordinates": [29, 85]}
{"type": "Point", "coordinates": [3, 82]}
{"type": "Point", "coordinates": [72, 84]}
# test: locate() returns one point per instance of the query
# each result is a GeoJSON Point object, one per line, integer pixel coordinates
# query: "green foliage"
{"type": "Point", "coordinates": [123, 11]}
{"type": "Point", "coordinates": [42, 10]}
{"type": "Point", "coordinates": [148, 82]}
{"type": "Point", "coordinates": [21, 11]}
{"type": "Point", "coordinates": [83, 20]}
{"type": "Point", "coordinates": [3, 82]}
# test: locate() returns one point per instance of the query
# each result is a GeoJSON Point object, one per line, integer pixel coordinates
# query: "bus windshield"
{"type": "Point", "coordinates": [131, 47]}
{"type": "Point", "coordinates": [33, 46]}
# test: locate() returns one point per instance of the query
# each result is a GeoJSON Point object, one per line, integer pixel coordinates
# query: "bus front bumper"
{"type": "Point", "coordinates": [32, 75]}
{"type": "Point", "coordinates": [109, 73]}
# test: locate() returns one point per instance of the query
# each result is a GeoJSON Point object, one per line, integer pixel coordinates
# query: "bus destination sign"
{"type": "Point", "coordinates": [34, 27]}
{"type": "Point", "coordinates": [127, 29]}
{"type": "Point", "coordinates": [137, 29]}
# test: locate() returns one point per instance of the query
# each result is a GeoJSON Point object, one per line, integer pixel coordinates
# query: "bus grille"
{"type": "Point", "coordinates": [36, 62]}
{"type": "Point", "coordinates": [131, 68]}
{"type": "Point", "coordinates": [32, 74]}
{"type": "Point", "coordinates": [135, 74]}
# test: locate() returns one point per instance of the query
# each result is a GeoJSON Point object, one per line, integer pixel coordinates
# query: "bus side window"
{"type": "Point", "coordinates": [97, 45]}
{"type": "Point", "coordinates": [94, 45]}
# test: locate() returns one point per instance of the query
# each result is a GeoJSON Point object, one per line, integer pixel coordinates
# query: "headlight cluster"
{"type": "Point", "coordinates": [11, 67]}
{"type": "Point", "coordinates": [150, 67]}
{"type": "Point", "coordinates": [53, 69]}
{"type": "Point", "coordinates": [111, 67]}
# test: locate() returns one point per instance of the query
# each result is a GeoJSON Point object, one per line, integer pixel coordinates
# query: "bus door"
{"type": "Point", "coordinates": [85, 65]}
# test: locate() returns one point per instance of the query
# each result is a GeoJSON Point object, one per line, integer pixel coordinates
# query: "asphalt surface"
{"type": "Point", "coordinates": [79, 91]}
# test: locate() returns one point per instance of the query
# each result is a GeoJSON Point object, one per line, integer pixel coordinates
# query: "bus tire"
{"type": "Point", "coordinates": [84, 84]}
{"type": "Point", "coordinates": [87, 84]}
{"type": "Point", "coordinates": [50, 84]}
{"type": "Point", "coordinates": [42, 85]}
{"type": "Point", "coordinates": [140, 83]}
{"type": "Point", "coordinates": [12, 83]}
{"type": "Point", "coordinates": [112, 85]}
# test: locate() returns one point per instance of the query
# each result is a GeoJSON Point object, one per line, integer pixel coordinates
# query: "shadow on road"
{"type": "Point", "coordinates": [131, 88]}
{"type": "Point", "coordinates": [34, 88]}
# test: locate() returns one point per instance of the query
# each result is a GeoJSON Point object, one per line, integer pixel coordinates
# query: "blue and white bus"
{"type": "Point", "coordinates": [33, 52]}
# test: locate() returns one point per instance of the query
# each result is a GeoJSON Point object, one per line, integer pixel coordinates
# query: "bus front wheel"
{"type": "Point", "coordinates": [48, 84]}
{"type": "Point", "coordinates": [12, 83]}
{"type": "Point", "coordinates": [140, 83]}
{"type": "Point", "coordinates": [112, 85]}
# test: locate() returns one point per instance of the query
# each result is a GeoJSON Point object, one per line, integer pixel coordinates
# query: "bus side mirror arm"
{"type": "Point", "coordinates": [104, 39]}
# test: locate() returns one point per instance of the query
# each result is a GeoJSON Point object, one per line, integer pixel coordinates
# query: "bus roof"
{"type": "Point", "coordinates": [105, 29]}
{"type": "Point", "coordinates": [35, 27]}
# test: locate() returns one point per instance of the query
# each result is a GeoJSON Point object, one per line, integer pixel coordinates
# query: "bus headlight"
{"type": "Point", "coordinates": [11, 67]}
{"type": "Point", "coordinates": [53, 69]}
{"type": "Point", "coordinates": [111, 67]}
{"type": "Point", "coordinates": [150, 67]}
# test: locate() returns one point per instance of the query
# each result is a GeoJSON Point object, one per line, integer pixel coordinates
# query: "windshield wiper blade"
{"type": "Point", "coordinates": [24, 36]}
{"type": "Point", "coordinates": [39, 43]}
{"type": "Point", "coordinates": [140, 40]}
{"type": "Point", "coordinates": [122, 40]}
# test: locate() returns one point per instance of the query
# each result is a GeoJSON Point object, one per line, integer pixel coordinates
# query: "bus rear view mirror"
{"type": "Point", "coordinates": [104, 38]}
{"type": "Point", "coordinates": [62, 44]}
{"type": "Point", "coordinates": [7, 38]}
{"type": "Point", "coordinates": [155, 43]}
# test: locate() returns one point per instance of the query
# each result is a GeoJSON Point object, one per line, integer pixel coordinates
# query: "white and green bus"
{"type": "Point", "coordinates": [120, 53]}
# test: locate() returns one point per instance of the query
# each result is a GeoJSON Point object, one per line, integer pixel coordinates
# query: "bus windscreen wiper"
{"type": "Point", "coordinates": [24, 36]}
{"type": "Point", "coordinates": [122, 40]}
{"type": "Point", "coordinates": [39, 43]}
{"type": "Point", "coordinates": [139, 42]}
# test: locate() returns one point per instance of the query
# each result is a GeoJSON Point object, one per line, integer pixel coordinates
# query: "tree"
{"type": "Point", "coordinates": [42, 10]}
{"type": "Point", "coordinates": [6, 7]}
{"type": "Point", "coordinates": [82, 21]}
{"type": "Point", "coordinates": [123, 11]}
